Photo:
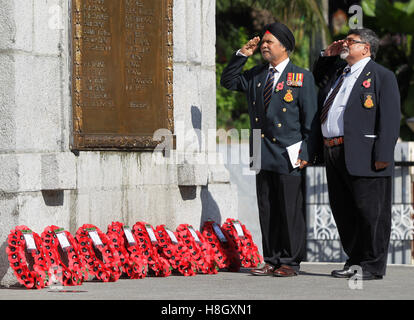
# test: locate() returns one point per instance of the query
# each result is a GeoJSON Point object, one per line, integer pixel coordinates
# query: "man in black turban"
{"type": "Point", "coordinates": [282, 108]}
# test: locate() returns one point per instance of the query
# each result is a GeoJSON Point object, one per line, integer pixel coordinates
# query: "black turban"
{"type": "Point", "coordinates": [282, 33]}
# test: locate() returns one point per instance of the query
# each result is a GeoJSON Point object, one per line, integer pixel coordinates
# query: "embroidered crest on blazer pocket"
{"type": "Point", "coordinates": [368, 100]}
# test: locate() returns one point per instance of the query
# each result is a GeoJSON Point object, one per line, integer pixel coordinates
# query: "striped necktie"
{"type": "Point", "coordinates": [268, 90]}
{"type": "Point", "coordinates": [328, 103]}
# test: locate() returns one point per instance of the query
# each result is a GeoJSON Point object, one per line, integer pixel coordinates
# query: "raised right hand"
{"type": "Point", "coordinates": [334, 48]}
{"type": "Point", "coordinates": [250, 47]}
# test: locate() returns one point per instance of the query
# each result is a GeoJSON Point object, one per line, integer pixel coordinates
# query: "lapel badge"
{"type": "Point", "coordinates": [288, 96]}
{"type": "Point", "coordinates": [368, 102]}
{"type": "Point", "coordinates": [367, 83]}
{"type": "Point", "coordinates": [369, 72]}
{"type": "Point", "coordinates": [294, 79]}
{"type": "Point", "coordinates": [259, 84]}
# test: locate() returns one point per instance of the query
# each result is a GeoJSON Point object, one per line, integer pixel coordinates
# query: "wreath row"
{"type": "Point", "coordinates": [56, 256]}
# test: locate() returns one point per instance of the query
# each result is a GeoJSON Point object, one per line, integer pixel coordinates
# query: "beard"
{"type": "Point", "coordinates": [266, 55]}
{"type": "Point", "coordinates": [344, 54]}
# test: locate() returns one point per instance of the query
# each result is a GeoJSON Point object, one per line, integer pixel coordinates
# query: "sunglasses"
{"type": "Point", "coordinates": [350, 41]}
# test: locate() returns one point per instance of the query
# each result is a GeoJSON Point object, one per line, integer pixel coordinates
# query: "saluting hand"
{"type": "Point", "coordinates": [250, 47]}
{"type": "Point", "coordinates": [334, 48]}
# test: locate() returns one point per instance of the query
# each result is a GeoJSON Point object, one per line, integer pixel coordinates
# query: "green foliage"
{"type": "Point", "coordinates": [394, 23]}
{"type": "Point", "coordinates": [232, 106]}
{"type": "Point", "coordinates": [300, 56]}
{"type": "Point", "coordinates": [396, 17]}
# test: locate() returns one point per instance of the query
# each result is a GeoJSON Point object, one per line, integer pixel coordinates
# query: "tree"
{"type": "Point", "coordinates": [394, 23]}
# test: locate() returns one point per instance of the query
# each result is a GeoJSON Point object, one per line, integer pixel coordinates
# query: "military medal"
{"type": "Point", "coordinates": [368, 102]}
{"type": "Point", "coordinates": [289, 79]}
{"type": "Point", "coordinates": [294, 79]}
{"type": "Point", "coordinates": [288, 96]}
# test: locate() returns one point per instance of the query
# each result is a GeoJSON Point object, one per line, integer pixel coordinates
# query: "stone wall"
{"type": "Point", "coordinates": [43, 183]}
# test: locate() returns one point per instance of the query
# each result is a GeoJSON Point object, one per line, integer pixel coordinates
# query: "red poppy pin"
{"type": "Point", "coordinates": [279, 86]}
{"type": "Point", "coordinates": [367, 83]}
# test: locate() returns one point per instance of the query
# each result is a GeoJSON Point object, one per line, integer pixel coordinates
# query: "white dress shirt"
{"type": "Point", "coordinates": [334, 124]}
{"type": "Point", "coordinates": [279, 69]}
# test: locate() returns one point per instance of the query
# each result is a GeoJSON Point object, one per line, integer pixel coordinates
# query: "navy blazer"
{"type": "Point", "coordinates": [371, 117]}
{"type": "Point", "coordinates": [285, 122]}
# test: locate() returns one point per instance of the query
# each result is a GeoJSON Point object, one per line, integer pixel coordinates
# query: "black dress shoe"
{"type": "Point", "coordinates": [366, 275]}
{"type": "Point", "coordinates": [343, 273]}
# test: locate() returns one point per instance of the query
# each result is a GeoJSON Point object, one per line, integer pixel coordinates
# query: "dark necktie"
{"type": "Point", "coordinates": [268, 90]}
{"type": "Point", "coordinates": [328, 103]}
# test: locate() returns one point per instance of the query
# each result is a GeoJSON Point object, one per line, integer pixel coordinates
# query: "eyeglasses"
{"type": "Point", "coordinates": [350, 41]}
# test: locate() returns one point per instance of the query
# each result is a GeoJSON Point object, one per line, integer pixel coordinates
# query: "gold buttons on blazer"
{"type": "Point", "coordinates": [262, 135]}
{"type": "Point", "coordinates": [274, 139]}
{"type": "Point", "coordinates": [279, 125]}
{"type": "Point", "coordinates": [257, 119]}
{"type": "Point", "coordinates": [254, 103]}
{"type": "Point", "coordinates": [284, 109]}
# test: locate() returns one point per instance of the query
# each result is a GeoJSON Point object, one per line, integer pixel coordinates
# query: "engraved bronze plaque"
{"type": "Point", "coordinates": [122, 60]}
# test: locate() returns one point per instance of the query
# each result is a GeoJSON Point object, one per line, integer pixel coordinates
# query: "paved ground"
{"type": "Point", "coordinates": [314, 282]}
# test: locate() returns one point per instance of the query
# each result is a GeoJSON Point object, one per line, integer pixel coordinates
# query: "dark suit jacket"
{"type": "Point", "coordinates": [362, 122]}
{"type": "Point", "coordinates": [284, 123]}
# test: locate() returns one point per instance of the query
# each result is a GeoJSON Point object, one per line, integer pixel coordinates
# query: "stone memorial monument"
{"type": "Point", "coordinates": [106, 108]}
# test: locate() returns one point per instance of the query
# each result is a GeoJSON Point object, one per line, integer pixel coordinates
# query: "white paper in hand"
{"type": "Point", "coordinates": [294, 151]}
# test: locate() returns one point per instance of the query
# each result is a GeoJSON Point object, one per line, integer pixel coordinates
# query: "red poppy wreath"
{"type": "Point", "coordinates": [63, 253]}
{"type": "Point", "coordinates": [171, 249]}
{"type": "Point", "coordinates": [98, 253]}
{"type": "Point", "coordinates": [147, 242]}
{"type": "Point", "coordinates": [201, 252]}
{"type": "Point", "coordinates": [225, 254]}
{"type": "Point", "coordinates": [242, 242]}
{"type": "Point", "coordinates": [133, 262]}
{"type": "Point", "coordinates": [27, 258]}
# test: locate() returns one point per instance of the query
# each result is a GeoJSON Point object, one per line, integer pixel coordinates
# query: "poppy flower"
{"type": "Point", "coordinates": [367, 83]}
{"type": "Point", "coordinates": [200, 251]}
{"type": "Point", "coordinates": [172, 251]}
{"type": "Point", "coordinates": [157, 265]}
{"type": "Point", "coordinates": [31, 276]}
{"type": "Point", "coordinates": [65, 274]}
{"type": "Point", "coordinates": [222, 249]}
{"type": "Point", "coordinates": [110, 263]}
{"type": "Point", "coordinates": [280, 86]}
{"type": "Point", "coordinates": [133, 264]}
{"type": "Point", "coordinates": [246, 251]}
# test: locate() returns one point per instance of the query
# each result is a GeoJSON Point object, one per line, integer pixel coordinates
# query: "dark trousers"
{"type": "Point", "coordinates": [282, 218]}
{"type": "Point", "coordinates": [361, 207]}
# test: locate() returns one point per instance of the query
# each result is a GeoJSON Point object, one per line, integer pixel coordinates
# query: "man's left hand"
{"type": "Point", "coordinates": [302, 163]}
{"type": "Point", "coordinates": [381, 165]}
